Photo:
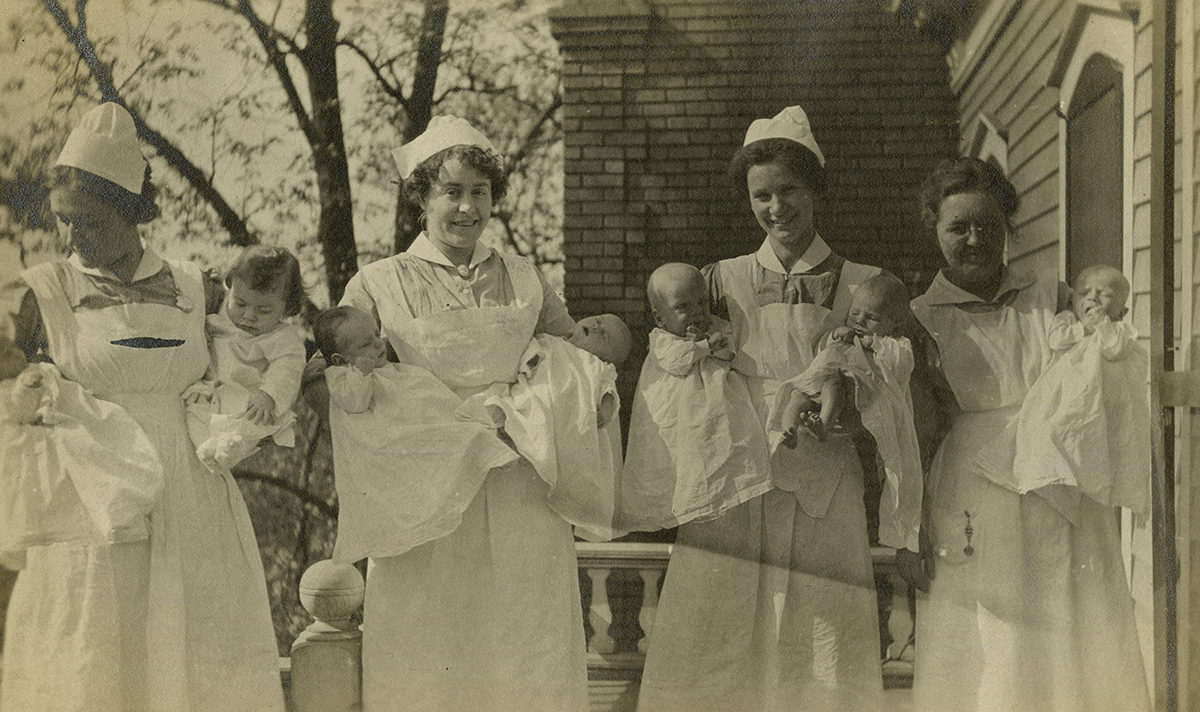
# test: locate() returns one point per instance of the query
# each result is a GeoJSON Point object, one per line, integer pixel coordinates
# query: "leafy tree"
{"type": "Point", "coordinates": [274, 122]}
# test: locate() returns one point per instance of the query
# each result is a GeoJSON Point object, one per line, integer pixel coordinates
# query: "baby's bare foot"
{"type": "Point", "coordinates": [815, 426]}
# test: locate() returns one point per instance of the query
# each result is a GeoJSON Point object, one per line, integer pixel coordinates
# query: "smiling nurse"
{"type": "Point", "coordinates": [771, 606]}
{"type": "Point", "coordinates": [485, 616]}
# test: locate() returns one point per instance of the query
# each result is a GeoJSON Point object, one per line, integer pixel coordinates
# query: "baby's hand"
{"type": "Point", "coordinates": [31, 378]}
{"type": "Point", "coordinates": [606, 410]}
{"type": "Point", "coordinates": [260, 408]}
{"type": "Point", "coordinates": [1091, 319]}
{"type": "Point", "coordinates": [197, 396]}
{"type": "Point", "coordinates": [867, 341]}
{"type": "Point", "coordinates": [843, 334]}
{"type": "Point", "coordinates": [719, 346]}
{"type": "Point", "coordinates": [695, 334]}
{"type": "Point", "coordinates": [365, 364]}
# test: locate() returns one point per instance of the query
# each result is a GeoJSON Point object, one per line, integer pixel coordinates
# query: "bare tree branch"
{"type": "Point", "coordinates": [390, 88]}
{"type": "Point", "coordinates": [77, 35]}
{"type": "Point", "coordinates": [308, 498]}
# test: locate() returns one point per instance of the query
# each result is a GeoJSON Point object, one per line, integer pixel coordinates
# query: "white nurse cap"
{"type": "Point", "coordinates": [105, 143]}
{"type": "Point", "coordinates": [442, 133]}
{"type": "Point", "coordinates": [792, 124]}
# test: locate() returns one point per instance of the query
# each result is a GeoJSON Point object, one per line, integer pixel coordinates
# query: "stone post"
{"type": "Point", "coordinates": [327, 656]}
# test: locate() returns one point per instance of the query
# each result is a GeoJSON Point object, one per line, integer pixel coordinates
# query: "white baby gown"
{"type": "Point", "coordinates": [405, 467]}
{"type": "Point", "coordinates": [884, 402]}
{"type": "Point", "coordinates": [550, 414]}
{"type": "Point", "coordinates": [85, 471]}
{"type": "Point", "coordinates": [1085, 423]}
{"type": "Point", "coordinates": [241, 364]}
{"type": "Point", "coordinates": [696, 443]}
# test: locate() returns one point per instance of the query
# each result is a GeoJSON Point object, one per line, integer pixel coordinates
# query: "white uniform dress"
{"type": "Point", "coordinates": [194, 595]}
{"type": "Point", "coordinates": [487, 617]}
{"type": "Point", "coordinates": [772, 606]}
{"type": "Point", "coordinates": [1029, 610]}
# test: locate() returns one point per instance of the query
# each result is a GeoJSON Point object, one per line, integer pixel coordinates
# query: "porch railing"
{"type": "Point", "coordinates": [619, 586]}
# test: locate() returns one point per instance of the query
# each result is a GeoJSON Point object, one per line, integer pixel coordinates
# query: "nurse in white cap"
{"type": "Point", "coordinates": [485, 614]}
{"type": "Point", "coordinates": [771, 606]}
{"type": "Point", "coordinates": [179, 620]}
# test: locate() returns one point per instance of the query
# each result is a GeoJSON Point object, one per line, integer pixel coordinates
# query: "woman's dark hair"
{"type": "Point", "coordinates": [966, 175]}
{"type": "Point", "coordinates": [488, 163]}
{"type": "Point", "coordinates": [325, 327]}
{"type": "Point", "coordinates": [799, 159]}
{"type": "Point", "coordinates": [137, 209]}
{"type": "Point", "coordinates": [266, 268]}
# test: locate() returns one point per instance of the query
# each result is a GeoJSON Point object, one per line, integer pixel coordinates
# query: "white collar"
{"type": "Point", "coordinates": [148, 266]}
{"type": "Point", "coordinates": [424, 248]}
{"type": "Point", "coordinates": [816, 253]}
{"type": "Point", "coordinates": [944, 292]}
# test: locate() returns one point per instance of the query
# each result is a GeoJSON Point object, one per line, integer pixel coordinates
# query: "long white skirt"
{"type": "Point", "coordinates": [485, 618]}
{"type": "Point", "coordinates": [180, 623]}
{"type": "Point", "coordinates": [1038, 616]}
{"type": "Point", "coordinates": [766, 608]}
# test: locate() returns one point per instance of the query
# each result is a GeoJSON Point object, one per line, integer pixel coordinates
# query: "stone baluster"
{"type": "Point", "coordinates": [327, 657]}
{"type": "Point", "coordinates": [600, 612]}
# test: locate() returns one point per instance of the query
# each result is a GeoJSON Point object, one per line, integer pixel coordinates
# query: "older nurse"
{"type": "Point", "coordinates": [485, 616]}
{"type": "Point", "coordinates": [1027, 607]}
{"type": "Point", "coordinates": [771, 606]}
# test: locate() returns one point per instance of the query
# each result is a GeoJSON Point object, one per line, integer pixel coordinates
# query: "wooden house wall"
{"type": "Point", "coordinates": [1188, 444]}
{"type": "Point", "coordinates": [1008, 80]}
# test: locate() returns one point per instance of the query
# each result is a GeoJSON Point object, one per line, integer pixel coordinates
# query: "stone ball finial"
{"type": "Point", "coordinates": [332, 592]}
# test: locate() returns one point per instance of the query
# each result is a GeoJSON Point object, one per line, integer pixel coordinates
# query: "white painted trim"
{"type": "Point", "coordinates": [985, 140]}
{"type": "Point", "coordinates": [1185, 457]}
{"type": "Point", "coordinates": [966, 53]}
{"type": "Point", "coordinates": [1097, 27]}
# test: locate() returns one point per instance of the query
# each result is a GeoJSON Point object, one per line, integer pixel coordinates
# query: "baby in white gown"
{"type": "Point", "coordinates": [256, 361]}
{"type": "Point", "coordinates": [72, 468]}
{"type": "Point", "coordinates": [405, 465]}
{"type": "Point", "coordinates": [697, 446]}
{"type": "Point", "coordinates": [560, 416]}
{"type": "Point", "coordinates": [1086, 422]}
{"type": "Point", "coordinates": [869, 359]}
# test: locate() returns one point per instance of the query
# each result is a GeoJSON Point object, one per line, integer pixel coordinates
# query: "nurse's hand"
{"type": "Point", "coordinates": [260, 408]}
{"type": "Point", "coordinates": [917, 568]}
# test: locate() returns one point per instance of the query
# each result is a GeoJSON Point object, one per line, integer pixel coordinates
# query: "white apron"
{"type": "Point", "coordinates": [486, 617]}
{"type": "Point", "coordinates": [778, 342]}
{"type": "Point", "coordinates": [771, 606]}
{"type": "Point", "coordinates": [183, 622]}
{"type": "Point", "coordinates": [1029, 609]}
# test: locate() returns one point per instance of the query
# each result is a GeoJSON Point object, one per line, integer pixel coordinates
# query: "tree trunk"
{"type": "Point", "coordinates": [420, 109]}
{"type": "Point", "coordinates": [335, 227]}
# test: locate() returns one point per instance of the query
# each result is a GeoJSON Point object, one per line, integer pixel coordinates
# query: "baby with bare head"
{"type": "Point", "coordinates": [1099, 294]}
{"type": "Point", "coordinates": [678, 298]}
{"type": "Point", "coordinates": [1085, 423]}
{"type": "Point", "coordinates": [878, 309]}
{"type": "Point", "coordinates": [696, 443]}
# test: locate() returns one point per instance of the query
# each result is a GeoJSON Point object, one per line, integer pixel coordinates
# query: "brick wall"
{"type": "Point", "coordinates": [658, 95]}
